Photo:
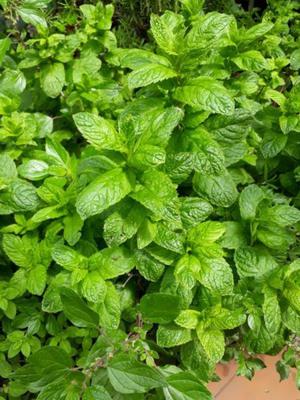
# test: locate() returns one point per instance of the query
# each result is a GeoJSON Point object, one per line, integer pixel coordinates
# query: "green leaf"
{"type": "Point", "coordinates": [283, 215]}
{"type": "Point", "coordinates": [148, 74]}
{"type": "Point", "coordinates": [272, 144]}
{"type": "Point", "coordinates": [172, 335]}
{"type": "Point", "coordinates": [68, 258]}
{"type": "Point", "coordinates": [158, 194]}
{"type": "Point", "coordinates": [208, 29]}
{"type": "Point", "coordinates": [194, 210]}
{"type": "Point", "coordinates": [274, 236]}
{"type": "Point", "coordinates": [17, 250]}
{"type": "Point", "coordinates": [94, 287]}
{"type": "Point", "coordinates": [257, 31]}
{"type": "Point", "coordinates": [96, 392]}
{"type": "Point", "coordinates": [34, 170]}
{"type": "Point", "coordinates": [212, 341]}
{"type": "Point", "coordinates": [8, 170]}
{"type": "Point", "coordinates": [185, 386]}
{"type": "Point", "coordinates": [253, 261]}
{"type": "Point", "coordinates": [23, 196]}
{"type": "Point", "coordinates": [235, 235]}
{"type": "Point", "coordinates": [251, 60]}
{"type": "Point", "coordinates": [72, 228]}
{"type": "Point", "coordinates": [165, 30]}
{"type": "Point", "coordinates": [271, 310]}
{"type": "Point", "coordinates": [291, 319]}
{"type": "Point", "coordinates": [137, 58]}
{"type": "Point", "coordinates": [77, 311]}
{"type": "Point", "coordinates": [216, 275]}
{"type": "Point", "coordinates": [220, 190]}
{"type": "Point", "coordinates": [291, 292]}
{"type": "Point", "coordinates": [147, 156]}
{"type": "Point", "coordinates": [150, 268]}
{"type": "Point", "coordinates": [146, 233]}
{"type": "Point", "coordinates": [187, 271]}
{"type": "Point", "coordinates": [205, 93]}
{"type": "Point", "coordinates": [207, 155]}
{"type": "Point", "coordinates": [249, 200]}
{"type": "Point", "coordinates": [188, 319]}
{"type": "Point", "coordinates": [44, 367]}
{"type": "Point", "coordinates": [86, 66]}
{"type": "Point", "coordinates": [119, 226]}
{"type": "Point", "coordinates": [110, 310]}
{"type": "Point", "coordinates": [295, 59]}
{"type": "Point", "coordinates": [160, 307]}
{"type": "Point", "coordinates": [36, 281]}
{"type": "Point", "coordinates": [169, 239]}
{"type": "Point", "coordinates": [130, 376]}
{"type": "Point", "coordinates": [98, 131]}
{"type": "Point", "coordinates": [53, 79]}
{"type": "Point", "coordinates": [206, 233]}
{"type": "Point", "coordinates": [223, 318]}
{"type": "Point", "coordinates": [32, 16]}
{"type": "Point", "coordinates": [112, 262]}
{"type": "Point", "coordinates": [103, 192]}
{"type": "Point", "coordinates": [4, 46]}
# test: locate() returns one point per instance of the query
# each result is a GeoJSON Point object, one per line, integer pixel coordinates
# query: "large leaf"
{"type": "Point", "coordinates": [220, 190]}
{"type": "Point", "coordinates": [53, 79]}
{"type": "Point", "coordinates": [98, 131]}
{"type": "Point", "coordinates": [151, 73]}
{"type": "Point", "coordinates": [103, 192]}
{"type": "Point", "coordinates": [77, 311]}
{"type": "Point", "coordinates": [160, 307]}
{"type": "Point", "coordinates": [130, 376]}
{"type": "Point", "coordinates": [185, 386]}
{"type": "Point", "coordinates": [205, 93]}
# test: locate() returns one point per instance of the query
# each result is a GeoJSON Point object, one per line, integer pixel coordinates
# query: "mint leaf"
{"type": "Point", "coordinates": [205, 93]}
{"type": "Point", "coordinates": [103, 192]}
{"type": "Point", "coordinates": [53, 79]}
{"type": "Point", "coordinates": [172, 335]}
{"type": "Point", "coordinates": [130, 376]}
{"type": "Point", "coordinates": [185, 386]}
{"type": "Point", "coordinates": [148, 74]}
{"type": "Point", "coordinates": [98, 131]}
{"type": "Point", "coordinates": [152, 310]}
{"type": "Point", "coordinates": [77, 311]}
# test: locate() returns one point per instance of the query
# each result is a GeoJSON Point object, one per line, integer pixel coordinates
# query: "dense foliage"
{"type": "Point", "coordinates": [149, 201]}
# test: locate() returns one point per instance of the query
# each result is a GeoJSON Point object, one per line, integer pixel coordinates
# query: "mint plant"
{"type": "Point", "coordinates": [150, 203]}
